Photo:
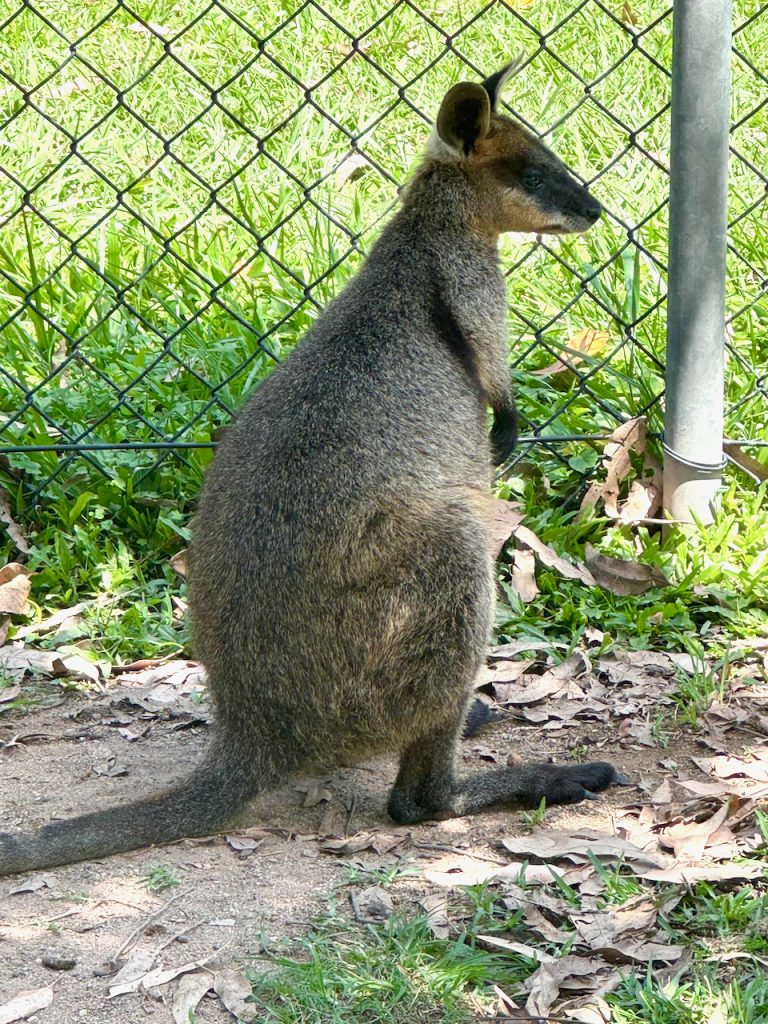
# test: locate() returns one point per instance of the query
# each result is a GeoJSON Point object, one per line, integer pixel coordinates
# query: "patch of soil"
{"type": "Point", "coordinates": [229, 905]}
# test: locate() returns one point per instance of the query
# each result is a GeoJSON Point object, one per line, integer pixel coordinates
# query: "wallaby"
{"type": "Point", "coordinates": [341, 578]}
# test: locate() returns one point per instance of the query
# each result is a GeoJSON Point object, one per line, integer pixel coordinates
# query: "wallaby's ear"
{"type": "Point", "coordinates": [464, 117]}
{"type": "Point", "coordinates": [495, 83]}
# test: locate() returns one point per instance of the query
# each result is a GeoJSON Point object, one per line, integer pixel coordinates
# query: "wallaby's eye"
{"type": "Point", "coordinates": [532, 180]}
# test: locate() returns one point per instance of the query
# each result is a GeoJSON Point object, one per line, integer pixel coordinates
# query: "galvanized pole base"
{"type": "Point", "coordinates": [693, 430]}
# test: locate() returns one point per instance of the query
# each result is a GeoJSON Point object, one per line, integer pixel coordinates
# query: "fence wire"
{"type": "Point", "coordinates": [184, 186]}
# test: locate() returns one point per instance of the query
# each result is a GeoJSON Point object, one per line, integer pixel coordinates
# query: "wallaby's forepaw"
{"type": "Point", "coordinates": [569, 784]}
{"type": "Point", "coordinates": [480, 716]}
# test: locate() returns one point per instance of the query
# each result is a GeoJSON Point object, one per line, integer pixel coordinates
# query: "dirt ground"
{"type": "Point", "coordinates": [231, 905]}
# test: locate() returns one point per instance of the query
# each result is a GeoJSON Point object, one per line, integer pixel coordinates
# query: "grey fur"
{"type": "Point", "coordinates": [341, 578]}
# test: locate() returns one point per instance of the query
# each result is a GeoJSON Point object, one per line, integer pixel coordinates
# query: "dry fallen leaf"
{"type": "Point", "coordinates": [524, 576]}
{"type": "Point", "coordinates": [547, 845]}
{"type": "Point", "coordinates": [495, 943]}
{"type": "Point", "coordinates": [381, 842]}
{"type": "Point", "coordinates": [32, 884]}
{"type": "Point", "coordinates": [460, 871]}
{"type": "Point", "coordinates": [233, 989]}
{"type": "Point", "coordinates": [627, 14]}
{"type": "Point", "coordinates": [14, 589]}
{"type": "Point", "coordinates": [373, 904]}
{"type": "Point", "coordinates": [190, 990]}
{"type": "Point", "coordinates": [622, 576]}
{"type": "Point", "coordinates": [582, 345]}
{"type": "Point", "coordinates": [436, 907]}
{"type": "Point", "coordinates": [643, 501]}
{"type": "Point", "coordinates": [638, 730]}
{"type": "Point", "coordinates": [534, 688]}
{"type": "Point", "coordinates": [244, 844]}
{"type": "Point", "coordinates": [686, 874]}
{"type": "Point", "coordinates": [12, 528]}
{"type": "Point", "coordinates": [753, 766]}
{"type": "Point", "coordinates": [630, 436]}
{"type": "Point", "coordinates": [131, 973]}
{"type": "Point", "coordinates": [315, 792]}
{"type": "Point", "coordinates": [506, 518]}
{"type": "Point", "coordinates": [25, 1004]}
{"type": "Point", "coordinates": [65, 617]}
{"type": "Point", "coordinates": [548, 556]}
{"type": "Point", "coordinates": [352, 167]}
{"type": "Point", "coordinates": [178, 563]}
{"type": "Point", "coordinates": [568, 974]}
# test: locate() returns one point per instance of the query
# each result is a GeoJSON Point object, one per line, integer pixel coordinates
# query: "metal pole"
{"type": "Point", "coordinates": [693, 430]}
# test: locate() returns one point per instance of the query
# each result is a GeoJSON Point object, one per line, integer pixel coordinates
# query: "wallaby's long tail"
{"type": "Point", "coordinates": [203, 803]}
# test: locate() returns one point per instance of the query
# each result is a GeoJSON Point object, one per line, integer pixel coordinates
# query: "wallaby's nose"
{"type": "Point", "coordinates": [592, 209]}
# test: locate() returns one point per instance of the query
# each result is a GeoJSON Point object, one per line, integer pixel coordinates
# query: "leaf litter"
{"type": "Point", "coordinates": [689, 830]}
{"type": "Point", "coordinates": [705, 838]}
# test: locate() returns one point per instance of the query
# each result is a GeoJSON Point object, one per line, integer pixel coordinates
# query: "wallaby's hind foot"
{"type": "Point", "coordinates": [427, 788]}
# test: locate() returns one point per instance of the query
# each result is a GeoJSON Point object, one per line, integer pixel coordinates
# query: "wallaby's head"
{"type": "Point", "coordinates": [518, 184]}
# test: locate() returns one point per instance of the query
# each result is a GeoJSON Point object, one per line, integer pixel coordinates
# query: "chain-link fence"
{"type": "Point", "coordinates": [184, 185]}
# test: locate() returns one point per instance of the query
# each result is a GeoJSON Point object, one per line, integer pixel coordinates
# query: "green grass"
{"type": "Point", "coordinates": [160, 878]}
{"type": "Point", "coordinates": [399, 972]}
{"type": "Point", "coordinates": [153, 275]}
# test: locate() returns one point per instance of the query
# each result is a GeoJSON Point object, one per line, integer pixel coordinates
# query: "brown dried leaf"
{"type": "Point", "coordinates": [189, 991]}
{"type": "Point", "coordinates": [642, 502]}
{"type": "Point", "coordinates": [315, 792]}
{"type": "Point", "coordinates": [627, 15]}
{"type": "Point", "coordinates": [502, 672]}
{"type": "Point", "coordinates": [47, 625]}
{"type": "Point", "coordinates": [638, 731]}
{"type": "Point", "coordinates": [729, 766]}
{"type": "Point", "coordinates": [244, 844]}
{"type": "Point", "coordinates": [381, 842]}
{"type": "Point", "coordinates": [495, 943]}
{"type": "Point", "coordinates": [524, 576]}
{"type": "Point", "coordinates": [511, 650]}
{"type": "Point", "coordinates": [533, 908]}
{"type": "Point", "coordinates": [630, 436]}
{"type": "Point", "coordinates": [374, 904]}
{"type": "Point", "coordinates": [462, 871]}
{"type": "Point", "coordinates": [25, 1004]}
{"type": "Point", "coordinates": [233, 989]}
{"type": "Point", "coordinates": [436, 907]}
{"type": "Point", "coordinates": [577, 846]}
{"type": "Point", "coordinates": [178, 563]}
{"type": "Point", "coordinates": [589, 342]}
{"type": "Point", "coordinates": [568, 974]}
{"type": "Point", "coordinates": [686, 874]}
{"type": "Point", "coordinates": [662, 795]}
{"type": "Point", "coordinates": [14, 589]}
{"type": "Point", "coordinates": [547, 556]}
{"type": "Point", "coordinates": [9, 693]}
{"type": "Point", "coordinates": [534, 688]}
{"type": "Point", "coordinates": [352, 167]}
{"type": "Point", "coordinates": [605, 928]}
{"type": "Point", "coordinates": [32, 884]}
{"type": "Point", "coordinates": [12, 528]}
{"type": "Point", "coordinates": [622, 576]}
{"type": "Point", "coordinates": [128, 978]}
{"type": "Point", "coordinates": [506, 518]}
{"type": "Point", "coordinates": [689, 838]}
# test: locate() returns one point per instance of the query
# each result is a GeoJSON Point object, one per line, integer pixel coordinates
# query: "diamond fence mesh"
{"type": "Point", "coordinates": [183, 186]}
